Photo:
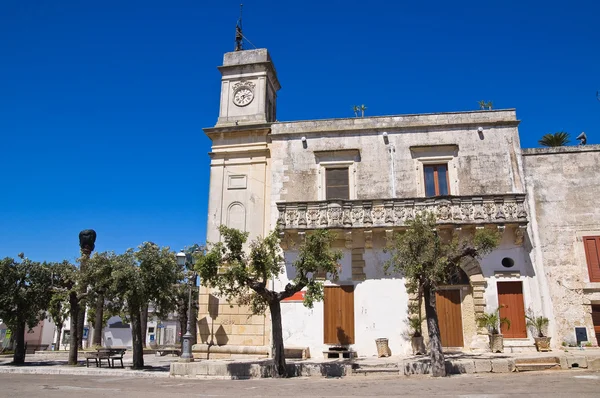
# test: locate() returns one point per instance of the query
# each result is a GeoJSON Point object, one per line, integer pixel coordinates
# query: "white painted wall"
{"type": "Point", "coordinates": [380, 309]}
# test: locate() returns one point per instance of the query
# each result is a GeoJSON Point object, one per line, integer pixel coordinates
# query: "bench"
{"type": "Point", "coordinates": [97, 357]}
{"type": "Point", "coordinates": [115, 355]}
{"type": "Point", "coordinates": [162, 351]}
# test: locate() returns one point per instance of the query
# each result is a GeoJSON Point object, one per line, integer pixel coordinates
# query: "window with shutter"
{"type": "Point", "coordinates": [436, 180]}
{"type": "Point", "coordinates": [336, 183]}
{"type": "Point", "coordinates": [592, 254]}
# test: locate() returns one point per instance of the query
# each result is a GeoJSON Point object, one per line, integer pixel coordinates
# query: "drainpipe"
{"type": "Point", "coordinates": [392, 150]}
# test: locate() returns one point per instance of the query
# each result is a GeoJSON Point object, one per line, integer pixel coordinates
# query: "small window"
{"type": "Point", "coordinates": [436, 180]}
{"type": "Point", "coordinates": [592, 254]}
{"type": "Point", "coordinates": [508, 262]}
{"type": "Point", "coordinates": [336, 183]}
{"type": "Point", "coordinates": [150, 330]}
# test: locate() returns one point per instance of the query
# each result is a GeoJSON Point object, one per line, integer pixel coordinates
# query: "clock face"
{"type": "Point", "coordinates": [243, 96]}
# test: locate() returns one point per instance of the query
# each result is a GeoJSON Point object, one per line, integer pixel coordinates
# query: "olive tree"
{"type": "Point", "coordinates": [243, 277]}
{"type": "Point", "coordinates": [141, 277]}
{"type": "Point", "coordinates": [24, 297]}
{"type": "Point", "coordinates": [428, 261]}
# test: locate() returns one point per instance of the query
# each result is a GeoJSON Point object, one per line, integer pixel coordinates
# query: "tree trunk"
{"type": "Point", "coordinates": [136, 334]}
{"type": "Point", "coordinates": [279, 366]}
{"type": "Point", "coordinates": [99, 321]}
{"type": "Point", "coordinates": [144, 323]}
{"type": "Point", "coordinates": [19, 355]}
{"type": "Point", "coordinates": [59, 327]}
{"type": "Point", "coordinates": [80, 323]}
{"type": "Point", "coordinates": [73, 314]}
{"type": "Point", "coordinates": [438, 365]}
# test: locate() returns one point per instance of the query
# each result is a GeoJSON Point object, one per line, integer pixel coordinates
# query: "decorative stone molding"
{"type": "Point", "coordinates": [497, 210]}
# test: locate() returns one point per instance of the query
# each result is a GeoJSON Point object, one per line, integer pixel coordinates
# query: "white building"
{"type": "Point", "coordinates": [364, 178]}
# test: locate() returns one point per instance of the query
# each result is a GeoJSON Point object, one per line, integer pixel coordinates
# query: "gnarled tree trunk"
{"type": "Point", "coordinates": [438, 365]}
{"type": "Point", "coordinates": [136, 334]}
{"type": "Point", "coordinates": [73, 338]}
{"type": "Point", "coordinates": [19, 354]}
{"type": "Point", "coordinates": [279, 365]}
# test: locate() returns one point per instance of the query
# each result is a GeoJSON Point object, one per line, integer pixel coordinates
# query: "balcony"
{"type": "Point", "coordinates": [500, 210]}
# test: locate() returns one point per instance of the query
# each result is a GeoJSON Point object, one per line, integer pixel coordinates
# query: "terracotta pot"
{"type": "Point", "coordinates": [418, 346]}
{"type": "Point", "coordinates": [542, 343]}
{"type": "Point", "coordinates": [496, 343]}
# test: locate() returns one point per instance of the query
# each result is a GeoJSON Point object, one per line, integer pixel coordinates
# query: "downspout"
{"type": "Point", "coordinates": [392, 150]}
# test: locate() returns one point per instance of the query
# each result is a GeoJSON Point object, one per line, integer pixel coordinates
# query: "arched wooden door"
{"type": "Point", "coordinates": [450, 317]}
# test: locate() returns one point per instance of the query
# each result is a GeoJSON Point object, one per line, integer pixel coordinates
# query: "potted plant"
{"type": "Point", "coordinates": [415, 320]}
{"type": "Point", "coordinates": [493, 323]}
{"type": "Point", "coordinates": [416, 337]}
{"type": "Point", "coordinates": [538, 324]}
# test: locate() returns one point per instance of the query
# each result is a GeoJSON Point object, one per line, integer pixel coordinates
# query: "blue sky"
{"type": "Point", "coordinates": [102, 104]}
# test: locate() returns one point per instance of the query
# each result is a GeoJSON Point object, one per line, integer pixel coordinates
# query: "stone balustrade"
{"type": "Point", "coordinates": [385, 213]}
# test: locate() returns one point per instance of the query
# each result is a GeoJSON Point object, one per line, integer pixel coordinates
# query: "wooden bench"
{"type": "Point", "coordinates": [115, 355]}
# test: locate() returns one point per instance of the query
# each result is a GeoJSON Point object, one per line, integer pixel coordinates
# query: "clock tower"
{"type": "Point", "coordinates": [249, 88]}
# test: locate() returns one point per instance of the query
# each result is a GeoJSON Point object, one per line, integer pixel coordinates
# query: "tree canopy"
{"type": "Point", "coordinates": [24, 296]}
{"type": "Point", "coordinates": [560, 138]}
{"type": "Point", "coordinates": [428, 260]}
{"type": "Point", "coordinates": [243, 277]}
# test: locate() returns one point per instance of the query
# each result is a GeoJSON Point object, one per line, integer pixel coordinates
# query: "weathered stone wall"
{"type": "Point", "coordinates": [480, 163]}
{"type": "Point", "coordinates": [563, 186]}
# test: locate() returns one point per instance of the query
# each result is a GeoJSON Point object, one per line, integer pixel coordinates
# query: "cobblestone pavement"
{"type": "Point", "coordinates": [530, 384]}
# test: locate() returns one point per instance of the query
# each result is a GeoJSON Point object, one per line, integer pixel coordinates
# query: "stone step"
{"type": "Point", "coordinates": [528, 360]}
{"type": "Point", "coordinates": [384, 365]}
{"type": "Point", "coordinates": [376, 371]}
{"type": "Point", "coordinates": [537, 366]}
{"type": "Point", "coordinates": [329, 354]}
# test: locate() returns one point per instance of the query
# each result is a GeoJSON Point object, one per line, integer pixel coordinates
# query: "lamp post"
{"type": "Point", "coordinates": [186, 349]}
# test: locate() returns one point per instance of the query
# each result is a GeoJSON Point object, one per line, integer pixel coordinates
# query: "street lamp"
{"type": "Point", "coordinates": [186, 349]}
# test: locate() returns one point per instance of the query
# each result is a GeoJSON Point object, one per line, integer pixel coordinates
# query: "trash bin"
{"type": "Point", "coordinates": [382, 348]}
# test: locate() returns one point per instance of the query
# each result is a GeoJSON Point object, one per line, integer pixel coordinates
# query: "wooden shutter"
{"type": "Point", "coordinates": [437, 181]}
{"type": "Point", "coordinates": [336, 182]}
{"type": "Point", "coordinates": [592, 254]}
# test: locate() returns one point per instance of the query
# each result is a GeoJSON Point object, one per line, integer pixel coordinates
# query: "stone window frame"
{"type": "Point", "coordinates": [436, 155]}
{"type": "Point", "coordinates": [336, 160]}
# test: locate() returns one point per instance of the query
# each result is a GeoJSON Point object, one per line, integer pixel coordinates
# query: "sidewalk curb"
{"type": "Point", "coordinates": [82, 372]}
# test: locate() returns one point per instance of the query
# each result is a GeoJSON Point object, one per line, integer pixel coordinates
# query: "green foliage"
{"type": "Point", "coordinates": [538, 323]}
{"type": "Point", "coordinates": [492, 321]}
{"type": "Point", "coordinates": [25, 291]}
{"type": "Point", "coordinates": [144, 276]}
{"type": "Point", "coordinates": [560, 138]}
{"type": "Point", "coordinates": [428, 260]}
{"type": "Point", "coordinates": [243, 278]}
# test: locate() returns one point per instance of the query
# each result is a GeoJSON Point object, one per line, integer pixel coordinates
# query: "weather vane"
{"type": "Point", "coordinates": [238, 32]}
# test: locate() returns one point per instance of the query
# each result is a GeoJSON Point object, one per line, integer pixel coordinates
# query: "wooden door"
{"type": "Point", "coordinates": [596, 321]}
{"type": "Point", "coordinates": [450, 317]}
{"type": "Point", "coordinates": [510, 300]}
{"type": "Point", "coordinates": [339, 315]}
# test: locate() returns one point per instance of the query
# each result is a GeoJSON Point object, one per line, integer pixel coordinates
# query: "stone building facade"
{"type": "Point", "coordinates": [365, 178]}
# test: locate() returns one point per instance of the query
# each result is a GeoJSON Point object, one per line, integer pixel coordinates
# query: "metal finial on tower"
{"type": "Point", "coordinates": [238, 32]}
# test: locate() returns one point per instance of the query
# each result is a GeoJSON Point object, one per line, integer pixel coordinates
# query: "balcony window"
{"type": "Point", "coordinates": [337, 183]}
{"type": "Point", "coordinates": [436, 180]}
